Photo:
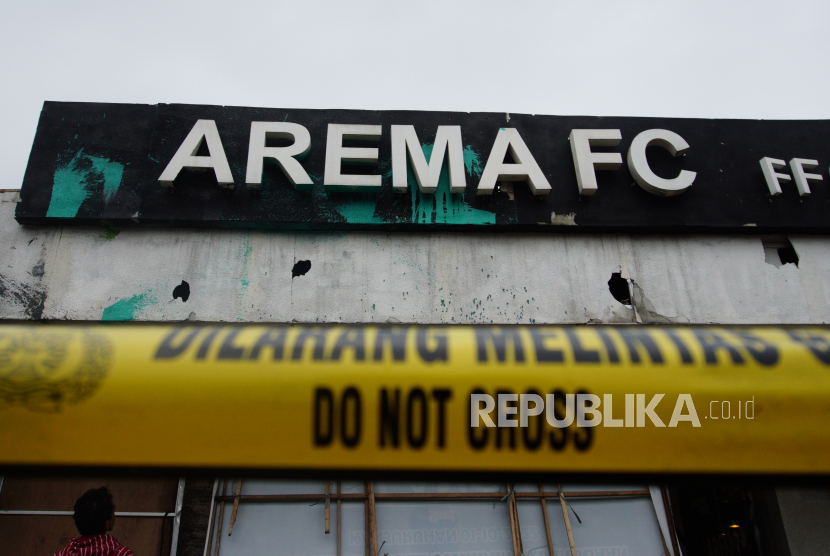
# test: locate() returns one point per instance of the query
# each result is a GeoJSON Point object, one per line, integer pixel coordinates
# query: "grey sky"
{"type": "Point", "coordinates": [685, 59]}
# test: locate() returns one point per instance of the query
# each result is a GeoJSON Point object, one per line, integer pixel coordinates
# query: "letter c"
{"type": "Point", "coordinates": [710, 409]}
{"type": "Point", "coordinates": [641, 171]}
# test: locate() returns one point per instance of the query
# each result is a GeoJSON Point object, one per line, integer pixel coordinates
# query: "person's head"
{"type": "Point", "coordinates": [94, 512]}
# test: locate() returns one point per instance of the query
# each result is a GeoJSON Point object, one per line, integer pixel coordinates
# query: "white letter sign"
{"type": "Point", "coordinates": [447, 139]}
{"type": "Point", "coordinates": [284, 156]}
{"type": "Point", "coordinates": [638, 164]}
{"type": "Point", "coordinates": [336, 153]}
{"type": "Point", "coordinates": [585, 161]}
{"type": "Point", "coordinates": [524, 169]}
{"type": "Point", "coordinates": [185, 157]}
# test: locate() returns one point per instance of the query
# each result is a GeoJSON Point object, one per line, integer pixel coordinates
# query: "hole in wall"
{"type": "Point", "coordinates": [182, 290]}
{"type": "Point", "coordinates": [778, 251]}
{"type": "Point", "coordinates": [618, 286]}
{"type": "Point", "coordinates": [788, 255]}
{"type": "Point", "coordinates": [300, 268]}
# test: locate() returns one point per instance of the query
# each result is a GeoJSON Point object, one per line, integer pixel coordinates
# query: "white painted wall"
{"type": "Point", "coordinates": [240, 275]}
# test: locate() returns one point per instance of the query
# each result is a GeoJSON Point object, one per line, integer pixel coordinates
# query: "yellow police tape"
{"type": "Point", "coordinates": [396, 398]}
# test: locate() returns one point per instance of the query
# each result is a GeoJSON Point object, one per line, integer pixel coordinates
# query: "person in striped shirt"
{"type": "Point", "coordinates": [94, 516]}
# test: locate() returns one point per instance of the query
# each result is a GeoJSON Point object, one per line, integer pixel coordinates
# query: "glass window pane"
{"type": "Point", "coordinates": [527, 487]}
{"type": "Point", "coordinates": [532, 525]}
{"type": "Point", "coordinates": [609, 526]}
{"type": "Point", "coordinates": [291, 529]}
{"type": "Point", "coordinates": [352, 487]}
{"type": "Point", "coordinates": [443, 527]}
{"type": "Point", "coordinates": [354, 529]}
{"type": "Point", "coordinates": [254, 486]}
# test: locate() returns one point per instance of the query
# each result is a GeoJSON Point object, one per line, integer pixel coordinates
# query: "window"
{"type": "Point", "coordinates": [314, 518]}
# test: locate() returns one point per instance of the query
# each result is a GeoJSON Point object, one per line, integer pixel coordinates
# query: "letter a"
{"type": "Point", "coordinates": [684, 399]}
{"type": "Point", "coordinates": [185, 157]}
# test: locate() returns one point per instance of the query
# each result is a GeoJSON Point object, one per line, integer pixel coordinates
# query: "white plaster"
{"type": "Point", "coordinates": [243, 275]}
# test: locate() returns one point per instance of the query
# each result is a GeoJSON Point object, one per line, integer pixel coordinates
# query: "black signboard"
{"type": "Point", "coordinates": [100, 164]}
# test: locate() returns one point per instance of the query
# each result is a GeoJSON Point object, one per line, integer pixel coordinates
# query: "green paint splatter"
{"type": "Point", "coordinates": [68, 190]}
{"type": "Point", "coordinates": [109, 234]}
{"type": "Point", "coordinates": [443, 207]}
{"type": "Point", "coordinates": [126, 309]}
{"type": "Point", "coordinates": [244, 253]}
{"type": "Point", "coordinates": [71, 183]}
{"type": "Point", "coordinates": [112, 172]}
{"type": "Point", "coordinates": [359, 210]}
{"type": "Point", "coordinates": [472, 161]}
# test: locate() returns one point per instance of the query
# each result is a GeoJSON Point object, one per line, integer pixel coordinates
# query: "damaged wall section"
{"type": "Point", "coordinates": [244, 275]}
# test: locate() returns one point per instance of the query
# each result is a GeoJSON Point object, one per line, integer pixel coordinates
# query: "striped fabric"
{"type": "Point", "coordinates": [95, 545]}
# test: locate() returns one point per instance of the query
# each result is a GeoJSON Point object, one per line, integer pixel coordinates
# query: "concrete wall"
{"type": "Point", "coordinates": [238, 275]}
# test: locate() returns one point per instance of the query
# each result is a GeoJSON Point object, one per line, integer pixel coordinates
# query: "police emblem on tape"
{"type": "Point", "coordinates": [44, 370]}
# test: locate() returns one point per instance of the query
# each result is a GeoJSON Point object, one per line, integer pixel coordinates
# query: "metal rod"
{"type": "Point", "coordinates": [69, 512]}
{"type": "Point", "coordinates": [670, 519]}
{"type": "Point", "coordinates": [339, 521]}
{"type": "Point", "coordinates": [221, 520]}
{"type": "Point", "coordinates": [387, 496]}
{"type": "Point", "coordinates": [373, 528]}
{"type": "Point", "coordinates": [547, 520]}
{"type": "Point", "coordinates": [328, 508]}
{"type": "Point", "coordinates": [211, 518]}
{"type": "Point", "coordinates": [177, 520]}
{"type": "Point", "coordinates": [567, 520]}
{"type": "Point", "coordinates": [235, 506]}
{"type": "Point", "coordinates": [2, 478]}
{"type": "Point", "coordinates": [366, 531]}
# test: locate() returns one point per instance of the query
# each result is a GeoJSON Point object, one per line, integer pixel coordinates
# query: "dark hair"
{"type": "Point", "coordinates": [92, 511]}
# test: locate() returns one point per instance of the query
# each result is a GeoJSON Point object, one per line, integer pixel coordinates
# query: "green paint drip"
{"type": "Point", "coordinates": [72, 182]}
{"type": "Point", "coordinates": [359, 208]}
{"type": "Point", "coordinates": [126, 309]}
{"type": "Point", "coordinates": [472, 162]}
{"type": "Point", "coordinates": [443, 207]}
{"type": "Point", "coordinates": [244, 253]}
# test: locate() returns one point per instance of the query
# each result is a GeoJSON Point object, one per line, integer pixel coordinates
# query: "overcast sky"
{"type": "Point", "coordinates": [683, 59]}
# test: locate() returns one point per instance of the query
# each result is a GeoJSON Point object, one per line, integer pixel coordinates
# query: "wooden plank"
{"type": "Point", "coordinates": [515, 529]}
{"type": "Point", "coordinates": [547, 520]}
{"type": "Point", "coordinates": [328, 508]}
{"type": "Point", "coordinates": [491, 495]}
{"type": "Point", "coordinates": [339, 522]}
{"type": "Point", "coordinates": [373, 526]}
{"type": "Point", "coordinates": [221, 520]}
{"type": "Point", "coordinates": [567, 520]}
{"type": "Point", "coordinates": [367, 532]}
{"type": "Point", "coordinates": [461, 496]}
{"type": "Point", "coordinates": [235, 506]}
